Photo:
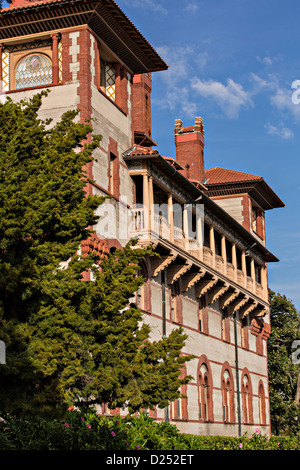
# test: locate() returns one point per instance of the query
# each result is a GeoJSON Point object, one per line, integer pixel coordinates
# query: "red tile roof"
{"type": "Point", "coordinates": [219, 175]}
{"type": "Point", "coordinates": [140, 150]}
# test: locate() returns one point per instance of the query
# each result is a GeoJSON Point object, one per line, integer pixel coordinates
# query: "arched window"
{"type": "Point", "coordinates": [33, 70]}
{"type": "Point", "coordinates": [247, 398]}
{"type": "Point", "coordinates": [179, 407]}
{"type": "Point", "coordinates": [144, 291]}
{"type": "Point", "coordinates": [227, 394]}
{"type": "Point", "coordinates": [176, 306]}
{"type": "Point", "coordinates": [205, 390]}
{"type": "Point", "coordinates": [262, 404]}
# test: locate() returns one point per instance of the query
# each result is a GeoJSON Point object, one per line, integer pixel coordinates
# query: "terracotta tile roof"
{"type": "Point", "coordinates": [219, 175]}
{"type": "Point", "coordinates": [140, 150]}
{"type": "Point", "coordinates": [29, 4]}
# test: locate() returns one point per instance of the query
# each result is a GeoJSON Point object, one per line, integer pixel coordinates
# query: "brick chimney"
{"type": "Point", "coordinates": [189, 142]}
{"type": "Point", "coordinates": [141, 103]}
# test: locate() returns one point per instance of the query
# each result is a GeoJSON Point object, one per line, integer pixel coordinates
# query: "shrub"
{"type": "Point", "coordinates": [86, 430]}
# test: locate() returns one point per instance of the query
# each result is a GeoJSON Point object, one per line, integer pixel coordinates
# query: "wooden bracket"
{"type": "Point", "coordinates": [161, 262]}
{"type": "Point", "coordinates": [190, 279]}
{"type": "Point", "coordinates": [178, 270]}
{"type": "Point", "coordinates": [205, 285]}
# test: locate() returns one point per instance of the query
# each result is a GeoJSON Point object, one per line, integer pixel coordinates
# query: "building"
{"type": "Point", "coordinates": [207, 224]}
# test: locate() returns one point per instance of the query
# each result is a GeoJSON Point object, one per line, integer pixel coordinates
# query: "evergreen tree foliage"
{"type": "Point", "coordinates": [283, 370]}
{"type": "Point", "coordinates": [68, 340]}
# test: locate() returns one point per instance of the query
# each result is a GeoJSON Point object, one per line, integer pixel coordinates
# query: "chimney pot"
{"type": "Point", "coordinates": [189, 142]}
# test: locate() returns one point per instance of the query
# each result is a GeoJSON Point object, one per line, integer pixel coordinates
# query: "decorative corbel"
{"type": "Point", "coordinates": [237, 304]}
{"type": "Point", "coordinates": [247, 309]}
{"type": "Point", "coordinates": [177, 270]}
{"type": "Point", "coordinates": [159, 263]}
{"type": "Point", "coordinates": [191, 278]}
{"type": "Point", "coordinates": [205, 285]}
{"type": "Point", "coordinates": [216, 292]}
{"type": "Point", "coordinates": [227, 298]}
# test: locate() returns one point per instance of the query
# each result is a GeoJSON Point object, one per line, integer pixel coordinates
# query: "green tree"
{"type": "Point", "coordinates": [67, 339]}
{"type": "Point", "coordinates": [283, 370]}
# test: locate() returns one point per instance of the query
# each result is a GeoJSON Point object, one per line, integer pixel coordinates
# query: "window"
{"type": "Point", "coordinates": [248, 266]}
{"type": "Point", "coordinates": [261, 404]}
{"type": "Point", "coordinates": [218, 244]}
{"type": "Point", "coordinates": [33, 70]}
{"type": "Point", "coordinates": [179, 408]}
{"type": "Point", "coordinates": [203, 318]}
{"type": "Point", "coordinates": [112, 171]}
{"type": "Point", "coordinates": [225, 325]}
{"type": "Point", "coordinates": [245, 332]}
{"type": "Point", "coordinates": [228, 251]}
{"type": "Point", "coordinates": [144, 291]}
{"type": "Point", "coordinates": [254, 219]}
{"type": "Point", "coordinates": [257, 273]}
{"type": "Point", "coordinates": [175, 303]}
{"type": "Point", "coordinates": [227, 396]}
{"type": "Point", "coordinates": [247, 399]}
{"type": "Point", "coordinates": [108, 79]}
{"type": "Point", "coordinates": [205, 391]}
{"type": "Point", "coordinates": [238, 258]}
{"type": "Point", "coordinates": [206, 240]}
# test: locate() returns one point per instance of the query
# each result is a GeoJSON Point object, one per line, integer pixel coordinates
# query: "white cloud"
{"type": "Point", "coordinates": [282, 101]}
{"type": "Point", "coordinates": [269, 61]}
{"type": "Point", "coordinates": [230, 97]}
{"type": "Point", "coordinates": [279, 131]}
{"type": "Point", "coordinates": [262, 84]}
{"type": "Point", "coordinates": [146, 4]}
{"type": "Point", "coordinates": [192, 7]}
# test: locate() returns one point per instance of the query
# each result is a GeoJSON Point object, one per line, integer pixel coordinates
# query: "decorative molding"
{"type": "Point", "coordinates": [178, 270]}
{"type": "Point", "coordinates": [29, 45]}
{"type": "Point", "coordinates": [190, 279]}
{"type": "Point", "coordinates": [227, 298]}
{"type": "Point", "coordinates": [216, 292]}
{"type": "Point", "coordinates": [237, 304]}
{"type": "Point", "coordinates": [247, 309]}
{"type": "Point", "coordinates": [204, 286]}
{"type": "Point", "coordinates": [161, 262]}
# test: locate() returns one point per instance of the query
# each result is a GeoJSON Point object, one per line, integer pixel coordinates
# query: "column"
{"type": "Point", "coordinates": [171, 217]}
{"type": "Point", "coordinates": [151, 200]}
{"type": "Point", "coordinates": [264, 282]}
{"type": "Point", "coordinates": [224, 254]}
{"type": "Point", "coordinates": [244, 269]}
{"type": "Point", "coordinates": [55, 66]}
{"type": "Point", "coordinates": [185, 226]}
{"type": "Point", "coordinates": [146, 200]}
{"type": "Point", "coordinates": [212, 245]}
{"type": "Point", "coordinates": [253, 275]}
{"type": "Point", "coordinates": [234, 262]}
{"type": "Point", "coordinates": [200, 228]}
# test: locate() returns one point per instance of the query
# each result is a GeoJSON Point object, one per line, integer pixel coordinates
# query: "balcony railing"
{"type": "Point", "coordinates": [160, 227]}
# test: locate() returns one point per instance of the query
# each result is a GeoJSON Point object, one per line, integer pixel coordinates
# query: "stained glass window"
{"type": "Point", "coordinates": [33, 70]}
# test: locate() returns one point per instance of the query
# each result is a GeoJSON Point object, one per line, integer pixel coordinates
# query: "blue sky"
{"type": "Point", "coordinates": [233, 62]}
